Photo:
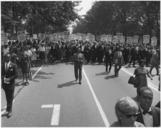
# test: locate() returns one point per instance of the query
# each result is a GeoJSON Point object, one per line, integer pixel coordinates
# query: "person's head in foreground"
{"type": "Point", "coordinates": [145, 98]}
{"type": "Point", "coordinates": [127, 111]}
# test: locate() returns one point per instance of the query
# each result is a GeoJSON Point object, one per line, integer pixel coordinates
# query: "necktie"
{"type": "Point", "coordinates": [147, 112]}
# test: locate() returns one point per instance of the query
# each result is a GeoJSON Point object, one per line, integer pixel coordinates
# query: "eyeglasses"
{"type": "Point", "coordinates": [132, 115]}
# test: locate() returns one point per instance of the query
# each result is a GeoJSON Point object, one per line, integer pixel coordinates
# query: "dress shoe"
{"type": "Point", "coordinates": [9, 114]}
{"type": "Point", "coordinates": [79, 82]}
{"type": "Point", "coordinates": [5, 113]}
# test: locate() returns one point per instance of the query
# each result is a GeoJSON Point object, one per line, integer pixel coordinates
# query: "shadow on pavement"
{"type": "Point", "coordinates": [43, 75]}
{"type": "Point", "coordinates": [110, 77]}
{"type": "Point", "coordinates": [19, 83]}
{"type": "Point", "coordinates": [20, 76]}
{"type": "Point", "coordinates": [67, 84]}
{"type": "Point", "coordinates": [34, 80]}
{"type": "Point", "coordinates": [102, 73]}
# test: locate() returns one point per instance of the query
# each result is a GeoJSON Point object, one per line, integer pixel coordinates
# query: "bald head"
{"type": "Point", "coordinates": [126, 105]}
{"type": "Point", "coordinates": [145, 90]}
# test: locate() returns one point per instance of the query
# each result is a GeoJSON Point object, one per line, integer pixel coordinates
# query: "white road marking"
{"type": "Point", "coordinates": [55, 114]}
{"type": "Point", "coordinates": [47, 106]}
{"type": "Point", "coordinates": [151, 85]}
{"type": "Point", "coordinates": [3, 111]}
{"type": "Point", "coordinates": [106, 122]}
{"type": "Point", "coordinates": [36, 72]}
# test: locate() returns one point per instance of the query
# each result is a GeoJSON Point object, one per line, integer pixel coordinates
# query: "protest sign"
{"type": "Point", "coordinates": [146, 39]}
{"type": "Point", "coordinates": [135, 39]}
{"type": "Point", "coordinates": [21, 37]}
{"type": "Point", "coordinates": [154, 41]}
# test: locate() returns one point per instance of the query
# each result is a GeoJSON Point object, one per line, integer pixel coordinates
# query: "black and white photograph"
{"type": "Point", "coordinates": [80, 63]}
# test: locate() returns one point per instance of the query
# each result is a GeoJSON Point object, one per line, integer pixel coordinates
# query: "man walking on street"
{"type": "Point", "coordinates": [118, 61]}
{"type": "Point", "coordinates": [78, 63]}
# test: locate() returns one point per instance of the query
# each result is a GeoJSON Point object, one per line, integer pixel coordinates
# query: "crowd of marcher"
{"type": "Point", "coordinates": [93, 51]}
{"type": "Point", "coordinates": [29, 53]}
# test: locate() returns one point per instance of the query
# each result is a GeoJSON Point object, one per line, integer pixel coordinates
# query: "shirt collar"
{"type": "Point", "coordinates": [150, 109]}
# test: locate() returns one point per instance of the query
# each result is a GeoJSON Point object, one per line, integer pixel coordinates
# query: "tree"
{"type": "Point", "coordinates": [127, 17]}
{"type": "Point", "coordinates": [39, 16]}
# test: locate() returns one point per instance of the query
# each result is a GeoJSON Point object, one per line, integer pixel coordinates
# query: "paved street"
{"type": "Point", "coordinates": [54, 99]}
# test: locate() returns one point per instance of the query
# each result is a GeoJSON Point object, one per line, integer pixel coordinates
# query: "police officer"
{"type": "Point", "coordinates": [78, 63]}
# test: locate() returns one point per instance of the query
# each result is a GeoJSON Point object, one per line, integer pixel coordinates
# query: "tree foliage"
{"type": "Point", "coordinates": [127, 17]}
{"type": "Point", "coordinates": [52, 16]}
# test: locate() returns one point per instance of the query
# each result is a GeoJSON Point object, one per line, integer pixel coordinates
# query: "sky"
{"type": "Point", "coordinates": [82, 9]}
{"type": "Point", "coordinates": [84, 6]}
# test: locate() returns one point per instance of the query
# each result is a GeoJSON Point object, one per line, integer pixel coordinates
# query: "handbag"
{"type": "Point", "coordinates": [131, 80]}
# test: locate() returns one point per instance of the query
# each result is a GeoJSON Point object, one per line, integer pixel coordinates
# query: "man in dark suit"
{"type": "Point", "coordinates": [78, 63]}
{"type": "Point", "coordinates": [118, 60]}
{"type": "Point", "coordinates": [9, 74]}
{"type": "Point", "coordinates": [149, 115]}
{"type": "Point", "coordinates": [108, 58]}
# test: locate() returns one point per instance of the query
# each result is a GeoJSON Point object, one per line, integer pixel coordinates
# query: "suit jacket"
{"type": "Point", "coordinates": [118, 59]}
{"type": "Point", "coordinates": [10, 72]}
{"type": "Point", "coordinates": [155, 115]}
{"type": "Point", "coordinates": [78, 58]}
{"type": "Point", "coordinates": [108, 56]}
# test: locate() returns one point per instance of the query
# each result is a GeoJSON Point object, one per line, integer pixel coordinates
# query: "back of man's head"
{"type": "Point", "coordinates": [143, 91]}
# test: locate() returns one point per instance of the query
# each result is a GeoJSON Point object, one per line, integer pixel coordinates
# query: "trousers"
{"type": "Point", "coordinates": [9, 92]}
{"type": "Point", "coordinates": [78, 70]}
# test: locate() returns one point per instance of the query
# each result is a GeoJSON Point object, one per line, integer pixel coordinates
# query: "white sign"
{"type": "Point", "coordinates": [154, 41]}
{"type": "Point", "coordinates": [129, 40]}
{"type": "Point", "coordinates": [21, 37]}
{"type": "Point", "coordinates": [41, 36]}
{"type": "Point", "coordinates": [146, 39]}
{"type": "Point", "coordinates": [104, 37]}
{"type": "Point", "coordinates": [115, 39]}
{"type": "Point", "coordinates": [89, 37]}
{"type": "Point", "coordinates": [34, 36]}
{"type": "Point", "coordinates": [109, 37]}
{"type": "Point", "coordinates": [4, 38]}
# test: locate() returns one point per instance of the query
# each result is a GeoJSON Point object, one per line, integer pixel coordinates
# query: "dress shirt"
{"type": "Point", "coordinates": [148, 118]}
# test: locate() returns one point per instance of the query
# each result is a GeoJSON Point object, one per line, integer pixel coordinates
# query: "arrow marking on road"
{"type": "Point", "coordinates": [47, 106]}
{"type": "Point", "coordinates": [103, 115]}
{"type": "Point", "coordinates": [55, 113]}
